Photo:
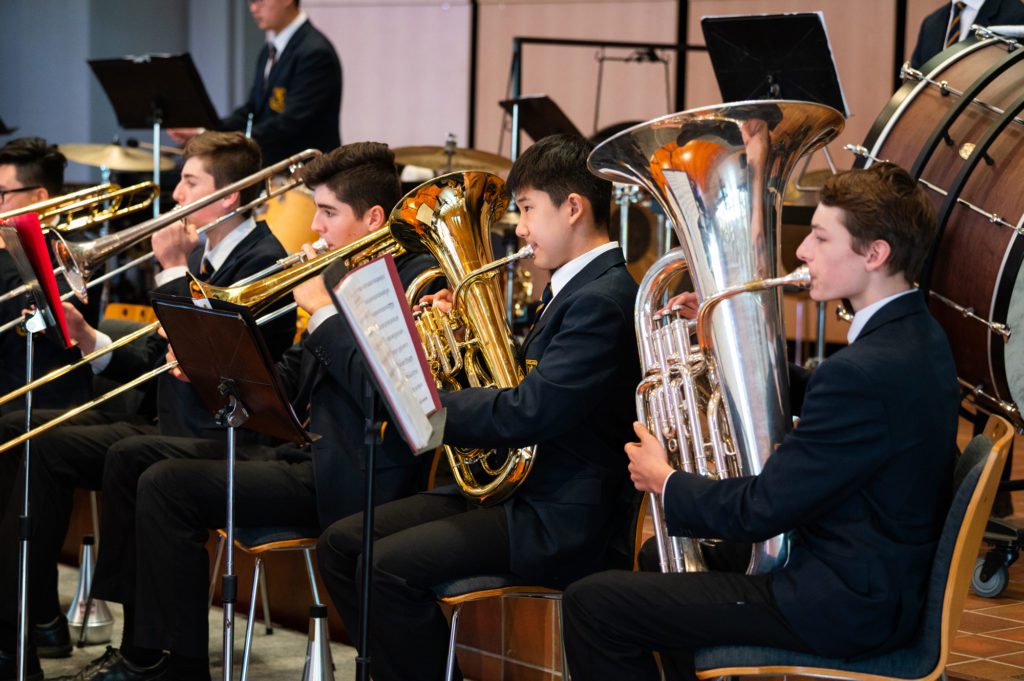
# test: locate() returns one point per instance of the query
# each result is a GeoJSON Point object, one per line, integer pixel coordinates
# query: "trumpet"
{"type": "Point", "coordinates": [103, 202]}
{"type": "Point", "coordinates": [80, 260]}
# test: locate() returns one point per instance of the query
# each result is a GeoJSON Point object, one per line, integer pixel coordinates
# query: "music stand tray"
{"type": "Point", "coordinates": [774, 56]}
{"type": "Point", "coordinates": [213, 344]}
{"type": "Point", "coordinates": [539, 116]}
{"type": "Point", "coordinates": [156, 88]}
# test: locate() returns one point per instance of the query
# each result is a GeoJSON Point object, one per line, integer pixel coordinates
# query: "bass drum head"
{"type": "Point", "coordinates": [955, 130]}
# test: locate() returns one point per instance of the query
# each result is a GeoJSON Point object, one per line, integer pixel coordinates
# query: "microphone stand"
{"type": "Point", "coordinates": [33, 323]}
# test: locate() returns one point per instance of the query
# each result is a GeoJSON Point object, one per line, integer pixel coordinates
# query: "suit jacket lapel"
{"type": "Point", "coordinates": [911, 303]}
{"type": "Point", "coordinates": [592, 271]}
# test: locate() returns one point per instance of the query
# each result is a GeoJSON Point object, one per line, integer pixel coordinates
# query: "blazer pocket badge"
{"type": "Point", "coordinates": [277, 99]}
{"type": "Point", "coordinates": [530, 363]}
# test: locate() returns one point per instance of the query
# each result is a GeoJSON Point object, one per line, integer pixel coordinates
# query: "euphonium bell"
{"type": "Point", "coordinates": [720, 174]}
{"type": "Point", "coordinates": [451, 217]}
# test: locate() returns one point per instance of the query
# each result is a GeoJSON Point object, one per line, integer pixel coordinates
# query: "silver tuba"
{"type": "Point", "coordinates": [719, 405]}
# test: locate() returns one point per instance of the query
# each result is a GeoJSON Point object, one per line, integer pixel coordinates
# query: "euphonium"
{"type": "Point", "coordinates": [451, 217]}
{"type": "Point", "coordinates": [720, 405]}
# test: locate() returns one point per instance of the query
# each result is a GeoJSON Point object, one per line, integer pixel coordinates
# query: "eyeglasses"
{"type": "Point", "coordinates": [5, 192]}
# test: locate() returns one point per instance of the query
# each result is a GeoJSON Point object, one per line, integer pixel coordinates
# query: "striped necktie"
{"type": "Point", "coordinates": [953, 36]}
{"type": "Point", "coordinates": [271, 60]}
{"type": "Point", "coordinates": [545, 298]}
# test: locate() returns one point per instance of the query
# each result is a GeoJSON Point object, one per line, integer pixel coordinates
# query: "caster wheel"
{"type": "Point", "coordinates": [992, 587]}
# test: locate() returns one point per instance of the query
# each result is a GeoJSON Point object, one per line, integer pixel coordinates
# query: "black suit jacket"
{"type": "Point", "coordinates": [301, 106]}
{"type": "Point", "coordinates": [178, 407]}
{"type": "Point", "coordinates": [864, 479]}
{"type": "Point", "coordinates": [324, 374]}
{"type": "Point", "coordinates": [576, 403]}
{"type": "Point", "coordinates": [932, 37]}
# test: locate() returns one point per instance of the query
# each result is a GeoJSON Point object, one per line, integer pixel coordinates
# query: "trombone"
{"type": "Point", "coordinates": [81, 259]}
{"type": "Point", "coordinates": [96, 204]}
{"type": "Point", "coordinates": [257, 295]}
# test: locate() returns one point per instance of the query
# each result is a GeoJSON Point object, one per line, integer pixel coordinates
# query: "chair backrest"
{"type": "Point", "coordinates": [980, 465]}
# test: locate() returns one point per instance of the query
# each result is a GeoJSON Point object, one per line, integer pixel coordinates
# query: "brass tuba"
{"type": "Point", "coordinates": [720, 405]}
{"type": "Point", "coordinates": [451, 217]}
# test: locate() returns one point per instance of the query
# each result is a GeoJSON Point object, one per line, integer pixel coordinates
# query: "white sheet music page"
{"type": "Point", "coordinates": [372, 299]}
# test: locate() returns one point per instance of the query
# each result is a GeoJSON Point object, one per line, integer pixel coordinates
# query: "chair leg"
{"type": "Point", "coordinates": [247, 648]}
{"type": "Point", "coordinates": [561, 641]}
{"type": "Point", "coordinates": [312, 576]}
{"type": "Point", "coordinates": [266, 602]}
{"type": "Point", "coordinates": [450, 669]}
{"type": "Point", "coordinates": [215, 572]}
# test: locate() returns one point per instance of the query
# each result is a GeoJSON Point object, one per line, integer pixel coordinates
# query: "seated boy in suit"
{"type": "Point", "coordinates": [861, 483]}
{"type": "Point", "coordinates": [575, 404]}
{"type": "Point", "coordinates": [169, 505]}
{"type": "Point", "coordinates": [72, 455]}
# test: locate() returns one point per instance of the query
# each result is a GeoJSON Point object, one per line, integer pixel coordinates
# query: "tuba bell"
{"type": "Point", "coordinates": [719, 405]}
{"type": "Point", "coordinates": [451, 217]}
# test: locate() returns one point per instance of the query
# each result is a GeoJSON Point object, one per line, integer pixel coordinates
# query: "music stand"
{"type": "Point", "coordinates": [23, 238]}
{"type": "Point", "coordinates": [229, 365]}
{"type": "Point", "coordinates": [539, 116]}
{"type": "Point", "coordinates": [156, 90]}
{"type": "Point", "coordinates": [774, 56]}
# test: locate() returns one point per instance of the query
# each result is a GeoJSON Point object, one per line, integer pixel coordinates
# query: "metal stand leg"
{"type": "Point", "coordinates": [33, 324]}
{"type": "Point", "coordinates": [247, 648]}
{"type": "Point", "coordinates": [449, 671]}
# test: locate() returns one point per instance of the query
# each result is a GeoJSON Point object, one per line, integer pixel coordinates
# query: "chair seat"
{"type": "Point", "coordinates": [484, 586]}
{"type": "Point", "coordinates": [273, 537]}
{"type": "Point", "coordinates": [899, 664]}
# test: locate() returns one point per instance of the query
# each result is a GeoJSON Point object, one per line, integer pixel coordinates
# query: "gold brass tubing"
{"type": "Point", "coordinates": [71, 413]}
{"type": "Point", "coordinates": [68, 368]}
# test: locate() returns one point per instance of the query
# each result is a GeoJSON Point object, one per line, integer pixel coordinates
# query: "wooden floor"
{"type": "Point", "coordinates": [990, 641]}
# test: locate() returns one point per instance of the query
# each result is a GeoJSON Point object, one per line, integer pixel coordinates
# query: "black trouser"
{"type": "Point", "coordinates": [420, 541]}
{"type": "Point", "coordinates": [66, 458]}
{"type": "Point", "coordinates": [178, 503]}
{"type": "Point", "coordinates": [126, 460]}
{"type": "Point", "coordinates": [614, 620]}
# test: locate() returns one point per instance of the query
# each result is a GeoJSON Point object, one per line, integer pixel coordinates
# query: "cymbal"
{"type": "Point", "coordinates": [437, 158]}
{"type": "Point", "coordinates": [113, 156]}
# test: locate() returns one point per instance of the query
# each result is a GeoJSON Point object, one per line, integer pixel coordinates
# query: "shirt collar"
{"type": "Point", "coordinates": [861, 318]}
{"type": "Point", "coordinates": [218, 255]}
{"type": "Point", "coordinates": [564, 274]}
{"type": "Point", "coordinates": [280, 40]}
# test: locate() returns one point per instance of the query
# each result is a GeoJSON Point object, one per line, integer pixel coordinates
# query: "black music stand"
{"type": "Point", "coordinates": [229, 365]}
{"type": "Point", "coordinates": [775, 56]}
{"type": "Point", "coordinates": [23, 238]}
{"type": "Point", "coordinates": [156, 90]}
{"type": "Point", "coordinates": [539, 116]}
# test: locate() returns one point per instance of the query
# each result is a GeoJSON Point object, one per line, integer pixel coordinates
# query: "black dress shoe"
{"type": "Point", "coordinates": [104, 661]}
{"type": "Point", "coordinates": [123, 670]}
{"type": "Point", "coordinates": [53, 639]}
{"type": "Point", "coordinates": [9, 666]}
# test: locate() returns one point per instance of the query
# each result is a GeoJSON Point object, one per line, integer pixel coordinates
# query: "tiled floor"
{"type": "Point", "coordinates": [990, 640]}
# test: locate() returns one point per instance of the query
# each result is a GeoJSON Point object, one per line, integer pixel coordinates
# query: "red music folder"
{"type": "Point", "coordinates": [27, 246]}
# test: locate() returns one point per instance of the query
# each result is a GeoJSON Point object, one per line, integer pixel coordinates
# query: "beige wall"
{"type": "Point", "coordinates": [407, 61]}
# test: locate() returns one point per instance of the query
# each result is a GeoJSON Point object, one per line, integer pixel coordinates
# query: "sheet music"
{"type": "Point", "coordinates": [370, 298]}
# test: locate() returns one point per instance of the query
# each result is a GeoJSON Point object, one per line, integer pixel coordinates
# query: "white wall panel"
{"type": "Point", "coordinates": [405, 68]}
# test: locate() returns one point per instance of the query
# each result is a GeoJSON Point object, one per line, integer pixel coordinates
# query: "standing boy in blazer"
{"type": "Point", "coordinates": [575, 404]}
{"type": "Point", "coordinates": [862, 482]}
{"type": "Point", "coordinates": [295, 99]}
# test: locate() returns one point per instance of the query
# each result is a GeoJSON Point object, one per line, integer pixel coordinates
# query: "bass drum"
{"type": "Point", "coordinates": [958, 127]}
{"type": "Point", "coordinates": [290, 217]}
